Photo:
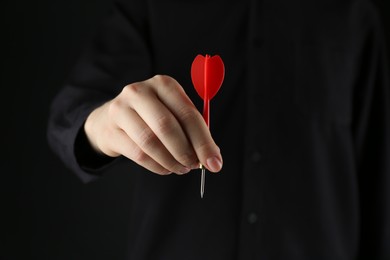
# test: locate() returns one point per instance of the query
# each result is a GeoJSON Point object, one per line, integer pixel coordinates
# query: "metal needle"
{"type": "Point", "coordinates": [202, 180]}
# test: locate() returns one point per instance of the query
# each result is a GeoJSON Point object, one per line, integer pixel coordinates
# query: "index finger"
{"type": "Point", "coordinates": [191, 121]}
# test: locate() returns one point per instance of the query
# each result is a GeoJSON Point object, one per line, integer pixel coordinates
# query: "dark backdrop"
{"type": "Point", "coordinates": [45, 211]}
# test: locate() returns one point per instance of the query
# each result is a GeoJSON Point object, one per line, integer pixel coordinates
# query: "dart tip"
{"type": "Point", "coordinates": [202, 181]}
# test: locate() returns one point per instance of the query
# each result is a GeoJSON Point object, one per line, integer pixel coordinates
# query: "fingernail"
{"type": "Point", "coordinates": [195, 166]}
{"type": "Point", "coordinates": [214, 164]}
{"type": "Point", "coordinates": [184, 170]}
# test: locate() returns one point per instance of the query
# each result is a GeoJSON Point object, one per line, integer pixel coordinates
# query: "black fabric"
{"type": "Point", "coordinates": [87, 158]}
{"type": "Point", "coordinates": [302, 121]}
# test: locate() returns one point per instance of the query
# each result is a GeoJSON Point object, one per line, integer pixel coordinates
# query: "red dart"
{"type": "Point", "coordinates": [207, 75]}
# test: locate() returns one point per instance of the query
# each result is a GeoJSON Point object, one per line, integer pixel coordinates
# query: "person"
{"type": "Point", "coordinates": [297, 153]}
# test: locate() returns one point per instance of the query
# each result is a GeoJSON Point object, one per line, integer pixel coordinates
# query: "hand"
{"type": "Point", "coordinates": [156, 125]}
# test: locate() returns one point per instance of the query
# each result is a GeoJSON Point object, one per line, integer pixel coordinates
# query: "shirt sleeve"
{"type": "Point", "coordinates": [117, 55]}
{"type": "Point", "coordinates": [372, 140]}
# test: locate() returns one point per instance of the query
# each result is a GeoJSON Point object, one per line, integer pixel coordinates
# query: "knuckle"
{"type": "Point", "coordinates": [147, 139]}
{"type": "Point", "coordinates": [188, 159]}
{"type": "Point", "coordinates": [187, 114]}
{"type": "Point", "coordinates": [165, 125]}
{"type": "Point", "coordinates": [138, 155]}
{"type": "Point", "coordinates": [133, 90]}
{"type": "Point", "coordinates": [114, 108]}
{"type": "Point", "coordinates": [207, 147]}
{"type": "Point", "coordinates": [163, 79]}
{"type": "Point", "coordinates": [167, 83]}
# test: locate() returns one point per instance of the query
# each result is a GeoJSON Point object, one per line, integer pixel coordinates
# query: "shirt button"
{"type": "Point", "coordinates": [256, 157]}
{"type": "Point", "coordinates": [252, 218]}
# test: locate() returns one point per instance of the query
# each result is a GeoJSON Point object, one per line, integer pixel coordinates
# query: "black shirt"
{"type": "Point", "coordinates": [302, 120]}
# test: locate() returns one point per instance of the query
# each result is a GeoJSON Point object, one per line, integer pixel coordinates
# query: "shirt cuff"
{"type": "Point", "coordinates": [88, 159]}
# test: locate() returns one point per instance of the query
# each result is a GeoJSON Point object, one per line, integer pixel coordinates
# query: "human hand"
{"type": "Point", "coordinates": [155, 124]}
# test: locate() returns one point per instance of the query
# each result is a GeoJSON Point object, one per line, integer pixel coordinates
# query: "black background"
{"type": "Point", "coordinates": [46, 212]}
